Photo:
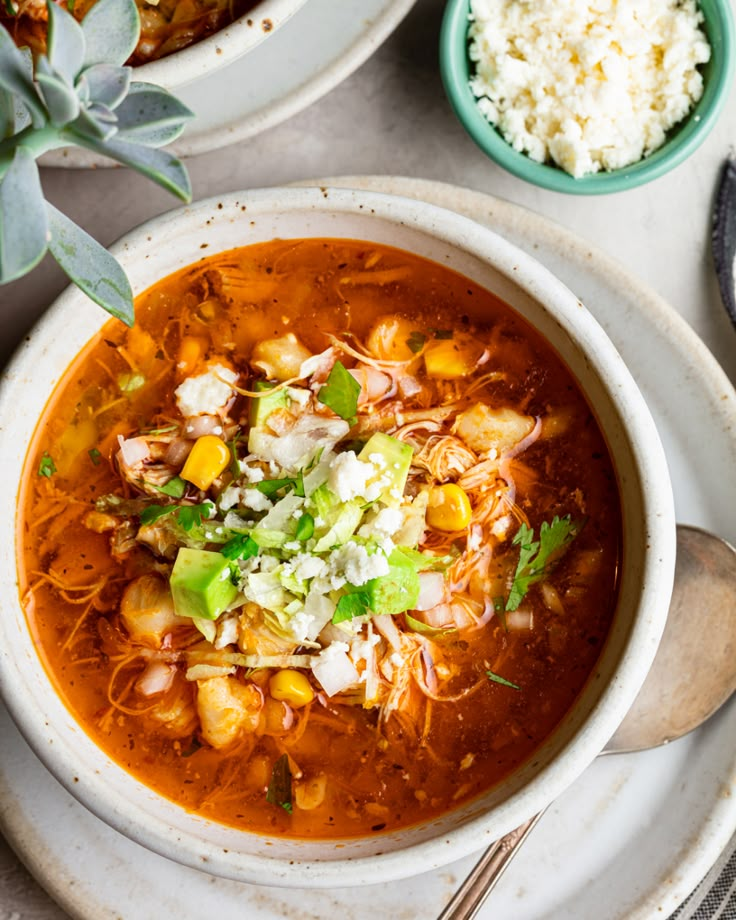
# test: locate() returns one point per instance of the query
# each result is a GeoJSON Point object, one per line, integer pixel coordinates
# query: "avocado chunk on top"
{"type": "Point", "coordinates": [200, 584]}
{"type": "Point", "coordinates": [396, 591]}
{"type": "Point", "coordinates": [393, 457]}
{"type": "Point", "coordinates": [262, 406]}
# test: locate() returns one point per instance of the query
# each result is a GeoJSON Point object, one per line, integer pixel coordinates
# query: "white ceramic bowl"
{"type": "Point", "coordinates": [173, 241]}
{"type": "Point", "coordinates": [222, 48]}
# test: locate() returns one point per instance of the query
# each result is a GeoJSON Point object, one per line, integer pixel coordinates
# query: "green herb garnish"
{"type": "Point", "coordinates": [192, 515]}
{"type": "Point", "coordinates": [95, 456]}
{"type": "Point", "coordinates": [279, 789]}
{"type": "Point", "coordinates": [350, 606]}
{"type": "Point", "coordinates": [416, 342]}
{"type": "Point", "coordinates": [537, 557]}
{"type": "Point", "coordinates": [442, 333]}
{"type": "Point", "coordinates": [270, 487]}
{"type": "Point", "coordinates": [175, 487]}
{"type": "Point", "coordinates": [187, 516]}
{"type": "Point", "coordinates": [340, 393]}
{"type": "Point", "coordinates": [497, 679]}
{"type": "Point", "coordinates": [47, 466]}
{"type": "Point", "coordinates": [240, 547]}
{"type": "Point", "coordinates": [304, 527]}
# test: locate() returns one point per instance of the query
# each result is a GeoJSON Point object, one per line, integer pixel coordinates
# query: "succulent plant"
{"type": "Point", "coordinates": [79, 93]}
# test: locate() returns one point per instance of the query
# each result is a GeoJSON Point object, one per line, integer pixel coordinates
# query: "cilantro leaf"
{"type": "Point", "coordinates": [241, 547]}
{"type": "Point", "coordinates": [154, 512]}
{"type": "Point", "coordinates": [95, 456]}
{"type": "Point", "coordinates": [192, 515]}
{"type": "Point", "coordinates": [497, 679]}
{"type": "Point", "coordinates": [46, 466]}
{"type": "Point", "coordinates": [340, 393]}
{"type": "Point", "coordinates": [538, 557]}
{"type": "Point", "coordinates": [350, 606]}
{"type": "Point", "coordinates": [187, 516]}
{"type": "Point", "coordinates": [416, 342]}
{"type": "Point", "coordinates": [279, 789]}
{"type": "Point", "coordinates": [175, 487]}
{"type": "Point", "coordinates": [270, 487]}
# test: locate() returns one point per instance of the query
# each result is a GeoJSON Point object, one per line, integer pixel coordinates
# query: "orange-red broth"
{"type": "Point", "coordinates": [378, 776]}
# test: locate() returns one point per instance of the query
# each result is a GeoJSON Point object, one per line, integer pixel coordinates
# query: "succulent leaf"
{"type": "Point", "coordinates": [23, 222]}
{"type": "Point", "coordinates": [22, 115]}
{"type": "Point", "coordinates": [7, 114]}
{"type": "Point", "coordinates": [65, 45]}
{"type": "Point", "coordinates": [86, 125]}
{"type": "Point", "coordinates": [107, 84]}
{"type": "Point", "coordinates": [90, 266]}
{"type": "Point", "coordinates": [61, 101]}
{"type": "Point", "coordinates": [14, 78]}
{"type": "Point", "coordinates": [163, 168]}
{"type": "Point", "coordinates": [149, 108]}
{"type": "Point", "coordinates": [111, 29]}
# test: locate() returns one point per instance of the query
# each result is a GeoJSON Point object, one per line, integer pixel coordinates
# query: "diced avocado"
{"type": "Point", "coordinates": [200, 584]}
{"type": "Point", "coordinates": [396, 591]}
{"type": "Point", "coordinates": [262, 406]}
{"type": "Point", "coordinates": [397, 457]}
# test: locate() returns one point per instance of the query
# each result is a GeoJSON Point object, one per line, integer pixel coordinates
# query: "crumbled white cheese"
{"type": "Point", "coordinates": [589, 84]}
{"type": "Point", "coordinates": [381, 526]}
{"type": "Point", "coordinates": [349, 477]}
{"type": "Point", "coordinates": [255, 500]}
{"type": "Point", "coordinates": [305, 566]}
{"type": "Point", "coordinates": [207, 393]}
{"type": "Point", "coordinates": [356, 566]}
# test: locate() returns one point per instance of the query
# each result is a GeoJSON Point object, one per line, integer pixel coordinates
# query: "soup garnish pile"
{"type": "Point", "coordinates": [166, 25]}
{"type": "Point", "coordinates": [327, 544]}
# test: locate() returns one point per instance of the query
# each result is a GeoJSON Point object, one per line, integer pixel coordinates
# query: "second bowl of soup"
{"type": "Point", "coordinates": [348, 557]}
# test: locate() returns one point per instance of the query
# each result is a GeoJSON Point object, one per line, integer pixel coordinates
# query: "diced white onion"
{"type": "Point", "coordinates": [133, 450]}
{"type": "Point", "coordinates": [198, 425]}
{"type": "Point", "coordinates": [335, 671]}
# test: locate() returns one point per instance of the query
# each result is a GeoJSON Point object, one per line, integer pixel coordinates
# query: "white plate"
{"type": "Point", "coordinates": [630, 839]}
{"type": "Point", "coordinates": [319, 46]}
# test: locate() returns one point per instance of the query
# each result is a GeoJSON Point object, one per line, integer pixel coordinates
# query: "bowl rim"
{"type": "Point", "coordinates": [613, 702]}
{"type": "Point", "coordinates": [688, 134]}
{"type": "Point", "coordinates": [203, 57]}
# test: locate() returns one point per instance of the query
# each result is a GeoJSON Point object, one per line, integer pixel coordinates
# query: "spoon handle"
{"type": "Point", "coordinates": [482, 879]}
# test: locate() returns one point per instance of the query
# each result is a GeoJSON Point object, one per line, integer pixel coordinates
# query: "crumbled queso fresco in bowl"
{"type": "Point", "coordinates": [590, 85]}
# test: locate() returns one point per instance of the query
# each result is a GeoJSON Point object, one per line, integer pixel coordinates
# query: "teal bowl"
{"type": "Point", "coordinates": [682, 140]}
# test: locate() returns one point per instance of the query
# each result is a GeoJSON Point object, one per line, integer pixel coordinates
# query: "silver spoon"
{"type": "Point", "coordinates": [693, 674]}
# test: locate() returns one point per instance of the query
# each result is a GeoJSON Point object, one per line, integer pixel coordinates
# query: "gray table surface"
{"type": "Point", "coordinates": [391, 118]}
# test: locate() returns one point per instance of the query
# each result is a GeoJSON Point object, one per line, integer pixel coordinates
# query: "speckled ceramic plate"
{"type": "Point", "coordinates": [630, 839]}
{"type": "Point", "coordinates": [317, 48]}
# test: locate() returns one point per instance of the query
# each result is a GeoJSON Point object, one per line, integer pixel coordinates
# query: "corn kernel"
{"type": "Point", "coordinates": [450, 359]}
{"type": "Point", "coordinates": [292, 687]}
{"type": "Point", "coordinates": [207, 459]}
{"type": "Point", "coordinates": [449, 508]}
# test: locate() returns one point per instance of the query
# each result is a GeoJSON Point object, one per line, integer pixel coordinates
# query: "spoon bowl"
{"type": "Point", "coordinates": [692, 676]}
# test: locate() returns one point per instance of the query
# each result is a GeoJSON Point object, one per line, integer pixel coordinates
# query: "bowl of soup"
{"type": "Point", "coordinates": [180, 40]}
{"type": "Point", "coordinates": [347, 558]}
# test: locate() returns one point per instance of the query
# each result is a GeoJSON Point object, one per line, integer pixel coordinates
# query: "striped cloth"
{"type": "Point", "coordinates": [715, 896]}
